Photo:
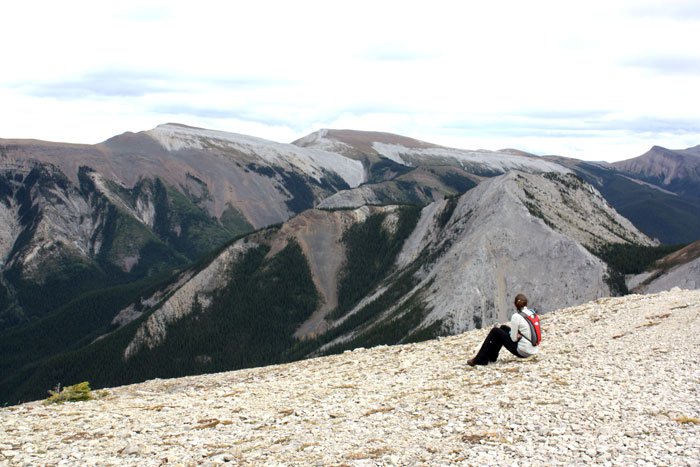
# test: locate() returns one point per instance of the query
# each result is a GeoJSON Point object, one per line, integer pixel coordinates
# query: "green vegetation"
{"type": "Point", "coordinates": [386, 169]}
{"type": "Point", "coordinates": [10, 313]}
{"type": "Point", "coordinates": [235, 222]}
{"type": "Point", "coordinates": [332, 182]}
{"type": "Point", "coordinates": [299, 187]}
{"type": "Point", "coordinates": [634, 259]}
{"type": "Point", "coordinates": [458, 182]}
{"type": "Point", "coordinates": [625, 258]}
{"type": "Point", "coordinates": [76, 393]}
{"type": "Point", "coordinates": [535, 211]}
{"type": "Point", "coordinates": [66, 278]}
{"type": "Point", "coordinates": [446, 213]}
{"type": "Point", "coordinates": [250, 322]}
{"type": "Point", "coordinates": [185, 226]}
{"type": "Point", "coordinates": [265, 170]}
{"type": "Point", "coordinates": [370, 253]}
{"type": "Point", "coordinates": [71, 326]}
{"type": "Point", "coordinates": [264, 302]}
{"type": "Point", "coordinates": [671, 218]}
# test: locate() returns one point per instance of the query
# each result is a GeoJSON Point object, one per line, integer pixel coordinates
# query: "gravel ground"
{"type": "Point", "coordinates": [617, 382]}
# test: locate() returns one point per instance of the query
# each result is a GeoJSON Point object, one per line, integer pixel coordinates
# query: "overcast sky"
{"type": "Point", "coordinates": [596, 80]}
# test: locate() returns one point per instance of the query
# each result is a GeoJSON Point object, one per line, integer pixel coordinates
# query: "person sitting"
{"type": "Point", "coordinates": [517, 337]}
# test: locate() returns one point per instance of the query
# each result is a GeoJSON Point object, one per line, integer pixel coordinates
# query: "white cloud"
{"type": "Point", "coordinates": [594, 79]}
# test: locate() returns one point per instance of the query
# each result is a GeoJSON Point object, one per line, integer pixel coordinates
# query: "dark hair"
{"type": "Point", "coordinates": [520, 301]}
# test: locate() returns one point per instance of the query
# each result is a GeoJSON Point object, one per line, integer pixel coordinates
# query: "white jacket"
{"type": "Point", "coordinates": [518, 328]}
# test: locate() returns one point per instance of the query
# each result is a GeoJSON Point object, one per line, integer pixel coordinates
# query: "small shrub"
{"type": "Point", "coordinates": [75, 393]}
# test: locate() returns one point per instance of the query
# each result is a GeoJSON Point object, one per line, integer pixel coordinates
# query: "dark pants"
{"type": "Point", "coordinates": [497, 338]}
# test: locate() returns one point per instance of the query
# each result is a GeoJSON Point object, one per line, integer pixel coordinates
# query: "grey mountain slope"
{"type": "Point", "coordinates": [255, 176]}
{"type": "Point", "coordinates": [667, 212]}
{"type": "Point", "coordinates": [679, 269]}
{"type": "Point", "coordinates": [415, 171]}
{"type": "Point", "coordinates": [676, 170]}
{"type": "Point", "coordinates": [464, 268]}
{"type": "Point", "coordinates": [411, 152]}
{"type": "Point", "coordinates": [517, 232]}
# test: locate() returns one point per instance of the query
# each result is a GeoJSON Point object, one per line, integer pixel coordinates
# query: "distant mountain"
{"type": "Point", "coordinates": [406, 170]}
{"type": "Point", "coordinates": [677, 171]}
{"type": "Point", "coordinates": [329, 280]}
{"type": "Point", "coordinates": [664, 207]}
{"type": "Point", "coordinates": [76, 218]}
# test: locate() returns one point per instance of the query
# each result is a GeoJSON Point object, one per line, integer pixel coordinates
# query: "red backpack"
{"type": "Point", "coordinates": [534, 323]}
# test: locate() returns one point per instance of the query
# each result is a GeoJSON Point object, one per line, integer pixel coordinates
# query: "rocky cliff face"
{"type": "Point", "coordinates": [64, 238]}
{"type": "Point", "coordinates": [612, 384]}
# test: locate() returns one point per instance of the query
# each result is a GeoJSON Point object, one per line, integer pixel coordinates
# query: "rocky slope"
{"type": "Point", "coordinates": [679, 269]}
{"type": "Point", "coordinates": [517, 231]}
{"type": "Point", "coordinates": [514, 232]}
{"type": "Point", "coordinates": [612, 385]}
{"type": "Point", "coordinates": [674, 170]}
{"type": "Point", "coordinates": [665, 211]}
{"type": "Point", "coordinates": [140, 204]}
{"type": "Point", "coordinates": [411, 152]}
{"type": "Point", "coordinates": [408, 170]}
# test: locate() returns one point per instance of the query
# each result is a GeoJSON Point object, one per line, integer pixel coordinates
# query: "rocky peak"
{"type": "Point", "coordinates": [666, 167]}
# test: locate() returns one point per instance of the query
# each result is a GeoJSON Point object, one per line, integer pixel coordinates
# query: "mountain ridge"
{"type": "Point", "coordinates": [676, 170]}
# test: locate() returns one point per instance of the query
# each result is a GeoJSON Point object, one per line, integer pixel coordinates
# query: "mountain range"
{"type": "Point", "coordinates": [182, 250]}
